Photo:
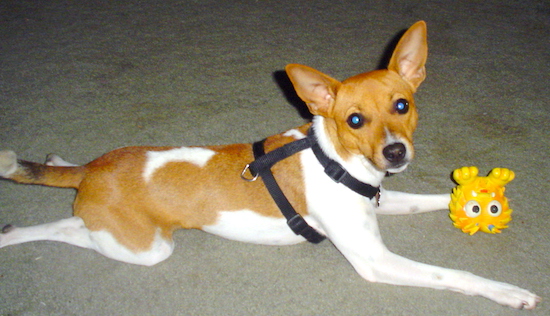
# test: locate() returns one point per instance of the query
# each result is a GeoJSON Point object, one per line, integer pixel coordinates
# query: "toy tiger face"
{"type": "Point", "coordinates": [478, 203]}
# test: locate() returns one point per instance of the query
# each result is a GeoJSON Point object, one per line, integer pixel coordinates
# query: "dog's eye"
{"type": "Point", "coordinates": [401, 106]}
{"type": "Point", "coordinates": [356, 120]}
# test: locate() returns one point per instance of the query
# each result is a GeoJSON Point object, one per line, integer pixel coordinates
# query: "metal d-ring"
{"type": "Point", "coordinates": [247, 167]}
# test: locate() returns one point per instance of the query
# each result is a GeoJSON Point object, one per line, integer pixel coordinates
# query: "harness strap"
{"type": "Point", "coordinates": [339, 175]}
{"type": "Point", "coordinates": [294, 220]}
{"type": "Point", "coordinates": [263, 162]}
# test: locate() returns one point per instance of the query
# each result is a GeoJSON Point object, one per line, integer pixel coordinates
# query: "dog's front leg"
{"type": "Point", "coordinates": [354, 231]}
{"type": "Point", "coordinates": [400, 203]}
{"type": "Point", "coordinates": [393, 269]}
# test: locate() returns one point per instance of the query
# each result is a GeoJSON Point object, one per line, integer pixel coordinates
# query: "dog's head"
{"type": "Point", "coordinates": [371, 114]}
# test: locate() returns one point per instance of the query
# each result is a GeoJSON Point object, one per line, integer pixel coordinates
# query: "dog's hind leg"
{"type": "Point", "coordinates": [73, 231]}
{"type": "Point", "coordinates": [400, 203]}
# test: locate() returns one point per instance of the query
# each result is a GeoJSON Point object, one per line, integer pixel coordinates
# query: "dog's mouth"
{"type": "Point", "coordinates": [398, 168]}
{"type": "Point", "coordinates": [385, 166]}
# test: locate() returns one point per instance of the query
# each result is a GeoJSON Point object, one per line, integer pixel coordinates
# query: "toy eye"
{"type": "Point", "coordinates": [494, 208]}
{"type": "Point", "coordinates": [356, 120]}
{"type": "Point", "coordinates": [401, 106]}
{"type": "Point", "coordinates": [472, 209]}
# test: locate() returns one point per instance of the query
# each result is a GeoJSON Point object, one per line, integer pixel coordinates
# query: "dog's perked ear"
{"type": "Point", "coordinates": [410, 54]}
{"type": "Point", "coordinates": [315, 88]}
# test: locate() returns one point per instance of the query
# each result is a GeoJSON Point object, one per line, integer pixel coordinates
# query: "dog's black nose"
{"type": "Point", "coordinates": [395, 153]}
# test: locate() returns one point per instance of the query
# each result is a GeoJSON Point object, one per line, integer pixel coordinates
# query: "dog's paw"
{"type": "Point", "coordinates": [8, 163]}
{"type": "Point", "coordinates": [5, 230]}
{"type": "Point", "coordinates": [55, 160]}
{"type": "Point", "coordinates": [52, 159]}
{"type": "Point", "coordinates": [8, 228]}
{"type": "Point", "coordinates": [513, 296]}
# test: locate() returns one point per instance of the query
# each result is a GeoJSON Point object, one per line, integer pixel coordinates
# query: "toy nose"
{"type": "Point", "coordinates": [395, 153]}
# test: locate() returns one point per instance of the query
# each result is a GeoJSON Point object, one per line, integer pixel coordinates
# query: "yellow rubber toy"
{"type": "Point", "coordinates": [478, 203]}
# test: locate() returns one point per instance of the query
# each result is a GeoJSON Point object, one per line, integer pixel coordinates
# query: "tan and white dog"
{"type": "Point", "coordinates": [131, 200]}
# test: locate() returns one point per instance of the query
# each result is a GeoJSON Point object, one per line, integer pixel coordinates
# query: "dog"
{"type": "Point", "coordinates": [131, 200]}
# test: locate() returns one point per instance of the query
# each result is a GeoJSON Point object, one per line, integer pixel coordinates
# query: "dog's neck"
{"type": "Point", "coordinates": [358, 166]}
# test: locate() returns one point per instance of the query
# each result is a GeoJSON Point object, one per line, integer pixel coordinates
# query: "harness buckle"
{"type": "Point", "coordinates": [298, 224]}
{"type": "Point", "coordinates": [245, 178]}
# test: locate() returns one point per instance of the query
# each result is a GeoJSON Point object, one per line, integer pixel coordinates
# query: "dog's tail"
{"type": "Point", "coordinates": [35, 173]}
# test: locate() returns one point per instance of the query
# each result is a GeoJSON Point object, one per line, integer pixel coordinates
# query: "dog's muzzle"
{"type": "Point", "coordinates": [396, 156]}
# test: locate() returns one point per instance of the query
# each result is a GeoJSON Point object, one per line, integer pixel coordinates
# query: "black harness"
{"type": "Point", "coordinates": [261, 167]}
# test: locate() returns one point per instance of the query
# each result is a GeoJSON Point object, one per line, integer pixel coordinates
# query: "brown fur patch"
{"type": "Point", "coordinates": [115, 197]}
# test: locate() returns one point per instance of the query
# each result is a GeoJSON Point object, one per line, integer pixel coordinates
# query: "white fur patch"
{"type": "Point", "coordinates": [294, 133]}
{"type": "Point", "coordinates": [195, 155]}
{"type": "Point", "coordinates": [107, 245]}
{"type": "Point", "coordinates": [249, 226]}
